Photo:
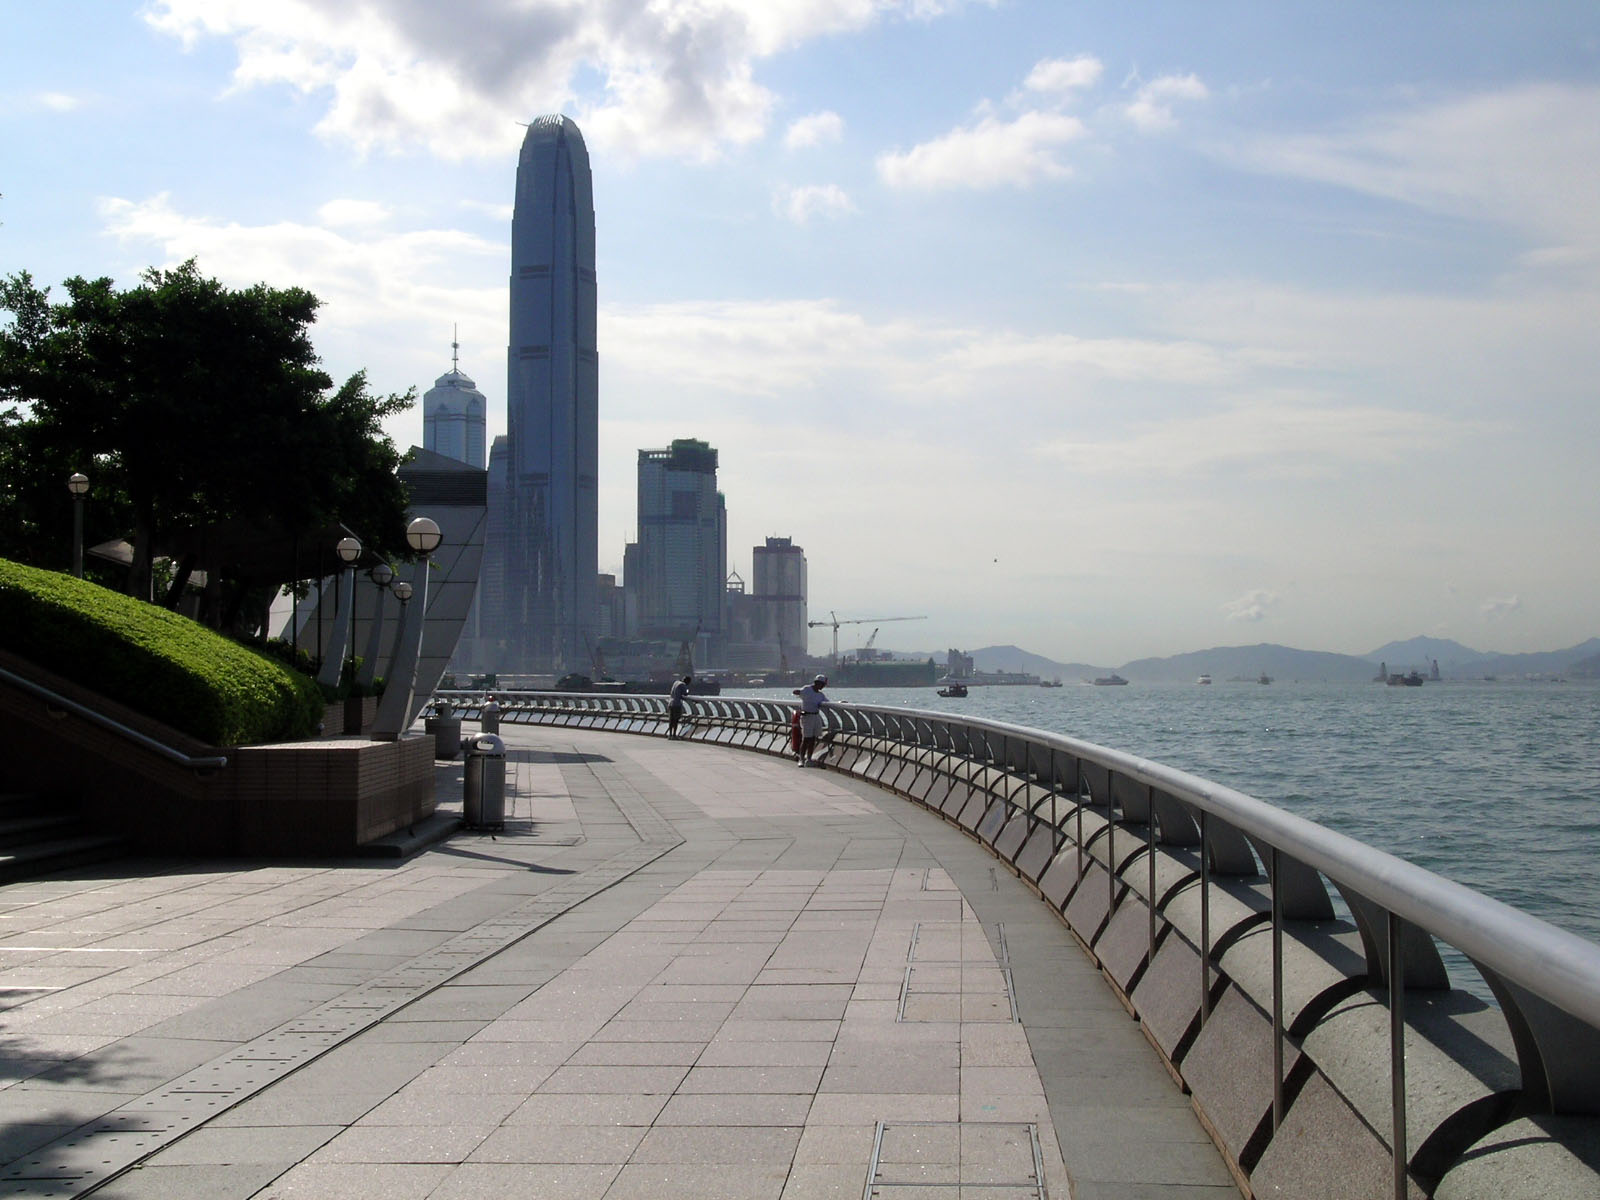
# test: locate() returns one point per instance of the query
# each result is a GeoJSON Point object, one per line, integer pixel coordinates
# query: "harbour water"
{"type": "Point", "coordinates": [1493, 784]}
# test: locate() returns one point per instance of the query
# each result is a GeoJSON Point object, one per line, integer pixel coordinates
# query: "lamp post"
{"type": "Point", "coordinates": [381, 575]}
{"type": "Point", "coordinates": [394, 710]}
{"type": "Point", "coordinates": [348, 549]}
{"type": "Point", "coordinates": [78, 485]}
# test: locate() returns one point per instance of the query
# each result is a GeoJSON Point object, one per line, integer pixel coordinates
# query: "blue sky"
{"type": "Point", "coordinates": [1107, 330]}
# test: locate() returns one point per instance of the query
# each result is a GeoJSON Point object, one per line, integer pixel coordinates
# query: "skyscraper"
{"type": "Point", "coordinates": [551, 559]}
{"type": "Point", "coordinates": [453, 416]}
{"type": "Point", "coordinates": [780, 591]}
{"type": "Point", "coordinates": [681, 568]}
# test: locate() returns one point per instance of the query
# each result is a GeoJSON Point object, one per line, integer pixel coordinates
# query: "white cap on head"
{"type": "Point", "coordinates": [820, 679]}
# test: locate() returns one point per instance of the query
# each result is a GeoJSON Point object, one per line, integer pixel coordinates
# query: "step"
{"type": "Point", "coordinates": [18, 828]}
{"type": "Point", "coordinates": [44, 858]}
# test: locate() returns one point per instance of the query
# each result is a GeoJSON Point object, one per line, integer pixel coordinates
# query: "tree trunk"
{"type": "Point", "coordinates": [180, 580]}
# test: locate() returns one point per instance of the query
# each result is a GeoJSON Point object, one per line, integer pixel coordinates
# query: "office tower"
{"type": "Point", "coordinates": [682, 552]}
{"type": "Point", "coordinates": [453, 416]}
{"type": "Point", "coordinates": [551, 559]}
{"type": "Point", "coordinates": [779, 587]}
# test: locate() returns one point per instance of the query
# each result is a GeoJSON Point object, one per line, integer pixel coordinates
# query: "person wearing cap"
{"type": "Point", "coordinates": [675, 703]}
{"type": "Point", "coordinates": [811, 702]}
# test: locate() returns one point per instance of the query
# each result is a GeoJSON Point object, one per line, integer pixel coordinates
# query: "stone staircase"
{"type": "Point", "coordinates": [39, 836]}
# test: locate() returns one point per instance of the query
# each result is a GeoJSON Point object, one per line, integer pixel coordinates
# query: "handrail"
{"type": "Point", "coordinates": [193, 763]}
{"type": "Point", "coordinates": [1056, 800]}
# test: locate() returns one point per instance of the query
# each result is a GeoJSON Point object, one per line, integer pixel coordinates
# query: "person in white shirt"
{"type": "Point", "coordinates": [811, 702]}
{"type": "Point", "coordinates": [675, 704]}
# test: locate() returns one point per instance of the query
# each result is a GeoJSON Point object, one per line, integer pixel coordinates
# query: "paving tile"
{"type": "Point", "coordinates": [677, 1181]}
{"type": "Point", "coordinates": [757, 1145]}
{"type": "Point", "coordinates": [497, 1181]}
{"type": "Point", "coordinates": [560, 1144]}
{"type": "Point", "coordinates": [357, 1181]}
{"type": "Point", "coordinates": [725, 1110]}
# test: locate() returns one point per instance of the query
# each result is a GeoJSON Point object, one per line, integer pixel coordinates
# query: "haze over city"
{"type": "Point", "coordinates": [1103, 332]}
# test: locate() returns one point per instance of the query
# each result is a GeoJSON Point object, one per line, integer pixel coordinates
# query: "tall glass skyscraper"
{"type": "Point", "coordinates": [551, 559]}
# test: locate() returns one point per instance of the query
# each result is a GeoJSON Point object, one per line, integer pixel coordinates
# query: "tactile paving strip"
{"type": "Point", "coordinates": [95, 1153]}
{"type": "Point", "coordinates": [998, 1160]}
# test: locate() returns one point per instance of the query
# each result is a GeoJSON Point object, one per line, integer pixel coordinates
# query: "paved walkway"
{"type": "Point", "coordinates": [681, 971]}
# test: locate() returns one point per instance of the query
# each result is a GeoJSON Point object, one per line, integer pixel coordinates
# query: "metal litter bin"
{"type": "Point", "coordinates": [483, 799]}
{"type": "Point", "coordinates": [489, 717]}
{"type": "Point", "coordinates": [446, 729]}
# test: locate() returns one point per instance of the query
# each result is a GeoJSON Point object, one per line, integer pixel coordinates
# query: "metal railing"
{"type": "Point", "coordinates": [1064, 813]}
{"type": "Point", "coordinates": [59, 703]}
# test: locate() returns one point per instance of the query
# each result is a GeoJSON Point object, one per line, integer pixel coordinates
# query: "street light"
{"type": "Point", "coordinates": [394, 711]}
{"type": "Point", "coordinates": [348, 549]}
{"type": "Point", "coordinates": [78, 485]}
{"type": "Point", "coordinates": [424, 537]}
{"type": "Point", "coordinates": [381, 575]}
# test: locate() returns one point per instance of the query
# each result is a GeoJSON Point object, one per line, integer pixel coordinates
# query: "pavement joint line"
{"type": "Point", "coordinates": [100, 1150]}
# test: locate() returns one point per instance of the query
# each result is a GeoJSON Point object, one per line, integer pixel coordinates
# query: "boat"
{"type": "Point", "coordinates": [954, 691]}
{"type": "Point", "coordinates": [1111, 680]}
{"type": "Point", "coordinates": [1265, 678]}
{"type": "Point", "coordinates": [1049, 683]}
{"type": "Point", "coordinates": [1204, 678]}
{"type": "Point", "coordinates": [1411, 679]}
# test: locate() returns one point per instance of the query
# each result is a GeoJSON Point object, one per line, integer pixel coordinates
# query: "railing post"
{"type": "Point", "coordinates": [1277, 991]}
{"type": "Point", "coordinates": [1150, 854]}
{"type": "Point", "coordinates": [1397, 1054]}
{"type": "Point", "coordinates": [1111, 847]}
{"type": "Point", "coordinates": [1205, 919]}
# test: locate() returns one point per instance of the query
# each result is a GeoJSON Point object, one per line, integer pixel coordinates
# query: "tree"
{"type": "Point", "coordinates": [196, 404]}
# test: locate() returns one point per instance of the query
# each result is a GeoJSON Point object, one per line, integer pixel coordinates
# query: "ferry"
{"type": "Point", "coordinates": [1204, 679]}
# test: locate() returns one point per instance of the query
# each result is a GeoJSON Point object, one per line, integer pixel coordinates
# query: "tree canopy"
{"type": "Point", "coordinates": [188, 404]}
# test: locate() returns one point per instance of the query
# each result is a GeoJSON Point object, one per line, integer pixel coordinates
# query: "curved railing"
{"type": "Point", "coordinates": [1211, 914]}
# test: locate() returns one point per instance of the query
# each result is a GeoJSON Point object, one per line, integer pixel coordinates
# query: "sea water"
{"type": "Point", "coordinates": [1495, 785]}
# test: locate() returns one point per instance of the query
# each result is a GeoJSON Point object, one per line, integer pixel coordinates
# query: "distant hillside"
{"type": "Point", "coordinates": [1550, 662]}
{"type": "Point", "coordinates": [1421, 652]}
{"type": "Point", "coordinates": [1227, 662]}
{"type": "Point", "coordinates": [1286, 663]}
{"type": "Point", "coordinates": [1013, 658]}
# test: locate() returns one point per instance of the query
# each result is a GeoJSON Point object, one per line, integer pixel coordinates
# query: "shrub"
{"type": "Point", "coordinates": [154, 661]}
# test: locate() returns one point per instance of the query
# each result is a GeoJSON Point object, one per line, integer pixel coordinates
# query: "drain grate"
{"type": "Point", "coordinates": [998, 1160]}
{"type": "Point", "coordinates": [939, 984]}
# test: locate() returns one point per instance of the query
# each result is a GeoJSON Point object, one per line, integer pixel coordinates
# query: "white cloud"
{"type": "Point", "coordinates": [1523, 157]}
{"type": "Point", "coordinates": [401, 291]}
{"type": "Point", "coordinates": [992, 153]}
{"type": "Point", "coordinates": [1064, 76]}
{"type": "Point", "coordinates": [58, 101]}
{"type": "Point", "coordinates": [353, 212]}
{"type": "Point", "coordinates": [814, 130]}
{"type": "Point", "coordinates": [800, 204]}
{"type": "Point", "coordinates": [1251, 607]}
{"type": "Point", "coordinates": [1497, 608]}
{"type": "Point", "coordinates": [1151, 108]}
{"type": "Point", "coordinates": [674, 77]}
{"type": "Point", "coordinates": [1270, 439]}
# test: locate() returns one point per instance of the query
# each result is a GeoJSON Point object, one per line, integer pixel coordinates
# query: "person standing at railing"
{"type": "Point", "coordinates": [811, 704]}
{"type": "Point", "coordinates": [675, 703]}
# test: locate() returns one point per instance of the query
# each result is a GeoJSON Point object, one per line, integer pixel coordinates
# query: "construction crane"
{"type": "Point", "coordinates": [834, 622]}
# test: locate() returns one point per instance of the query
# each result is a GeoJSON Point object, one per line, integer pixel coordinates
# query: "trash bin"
{"type": "Point", "coordinates": [446, 729]}
{"type": "Point", "coordinates": [489, 716]}
{"type": "Point", "coordinates": [483, 799]}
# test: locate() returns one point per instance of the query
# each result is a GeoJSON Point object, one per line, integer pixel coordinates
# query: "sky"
{"type": "Point", "coordinates": [1106, 330]}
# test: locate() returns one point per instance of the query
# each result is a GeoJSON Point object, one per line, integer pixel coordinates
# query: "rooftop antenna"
{"type": "Point", "coordinates": [455, 347]}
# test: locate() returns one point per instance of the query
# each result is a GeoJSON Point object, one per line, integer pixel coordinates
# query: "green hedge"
{"type": "Point", "coordinates": [154, 661]}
